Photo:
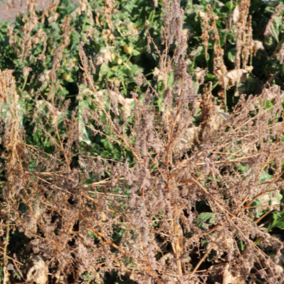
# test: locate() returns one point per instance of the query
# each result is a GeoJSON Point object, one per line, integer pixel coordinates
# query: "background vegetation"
{"type": "Point", "coordinates": [142, 142]}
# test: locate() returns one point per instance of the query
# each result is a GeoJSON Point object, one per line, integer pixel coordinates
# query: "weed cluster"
{"type": "Point", "coordinates": [110, 173]}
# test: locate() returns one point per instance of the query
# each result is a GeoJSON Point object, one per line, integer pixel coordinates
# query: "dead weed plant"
{"type": "Point", "coordinates": [71, 224]}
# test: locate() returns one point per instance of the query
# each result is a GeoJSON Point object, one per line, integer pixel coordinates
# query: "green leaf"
{"type": "Point", "coordinates": [104, 69]}
{"type": "Point", "coordinates": [265, 176]}
{"type": "Point", "coordinates": [135, 52]}
{"type": "Point", "coordinates": [232, 55]}
{"type": "Point", "coordinates": [205, 219]}
{"type": "Point", "coordinates": [243, 169]}
{"type": "Point", "coordinates": [278, 220]}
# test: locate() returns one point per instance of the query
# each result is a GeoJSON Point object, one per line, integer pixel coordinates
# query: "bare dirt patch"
{"type": "Point", "coordinates": [10, 9]}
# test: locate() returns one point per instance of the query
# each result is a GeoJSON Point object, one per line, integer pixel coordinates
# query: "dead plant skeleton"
{"type": "Point", "coordinates": [151, 230]}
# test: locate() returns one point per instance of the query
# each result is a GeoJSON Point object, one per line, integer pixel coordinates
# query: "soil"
{"type": "Point", "coordinates": [10, 9]}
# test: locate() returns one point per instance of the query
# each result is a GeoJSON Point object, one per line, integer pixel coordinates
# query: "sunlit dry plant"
{"type": "Point", "coordinates": [165, 184]}
{"type": "Point", "coordinates": [139, 214]}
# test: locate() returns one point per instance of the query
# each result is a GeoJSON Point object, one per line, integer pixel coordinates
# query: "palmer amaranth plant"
{"type": "Point", "coordinates": [115, 175]}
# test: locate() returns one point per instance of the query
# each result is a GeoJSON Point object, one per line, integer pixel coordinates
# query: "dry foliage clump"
{"type": "Point", "coordinates": [176, 165]}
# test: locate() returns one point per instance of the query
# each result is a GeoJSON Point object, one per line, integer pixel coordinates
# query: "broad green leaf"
{"type": "Point", "coordinates": [205, 219]}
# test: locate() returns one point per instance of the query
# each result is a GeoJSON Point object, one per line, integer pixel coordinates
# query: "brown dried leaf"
{"type": "Point", "coordinates": [228, 278]}
{"type": "Point", "coordinates": [53, 18]}
{"type": "Point", "coordinates": [236, 14]}
{"type": "Point", "coordinates": [257, 45]}
{"type": "Point", "coordinates": [26, 71]}
{"type": "Point", "coordinates": [217, 119]}
{"type": "Point", "coordinates": [60, 278]}
{"type": "Point", "coordinates": [38, 271]}
{"type": "Point", "coordinates": [104, 56]}
{"type": "Point", "coordinates": [199, 73]}
{"type": "Point", "coordinates": [203, 15]}
{"type": "Point", "coordinates": [187, 140]}
{"type": "Point", "coordinates": [6, 279]}
{"type": "Point", "coordinates": [220, 4]}
{"type": "Point", "coordinates": [157, 73]}
{"type": "Point", "coordinates": [234, 76]}
{"type": "Point", "coordinates": [44, 77]}
{"type": "Point", "coordinates": [126, 104]}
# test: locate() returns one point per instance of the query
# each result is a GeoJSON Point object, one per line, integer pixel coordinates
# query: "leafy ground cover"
{"type": "Point", "coordinates": [142, 142]}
